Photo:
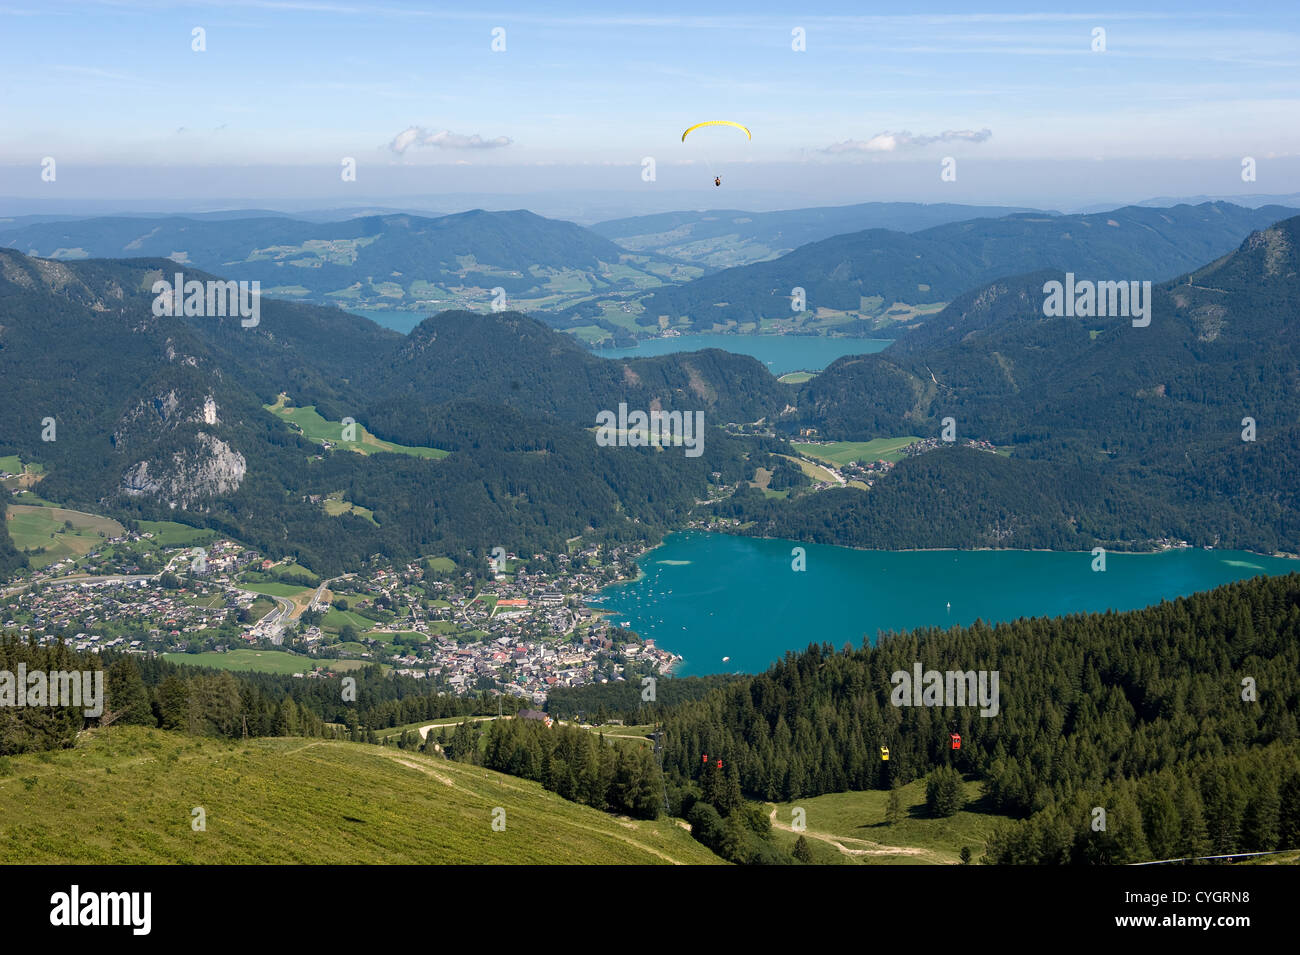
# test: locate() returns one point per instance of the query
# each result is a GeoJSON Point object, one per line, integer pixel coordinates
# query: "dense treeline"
{"type": "Point", "coordinates": [1247, 802]}
{"type": "Point", "coordinates": [1085, 701]}
{"type": "Point", "coordinates": [26, 729]}
{"type": "Point", "coordinates": [600, 702]}
{"type": "Point", "coordinates": [12, 559]}
{"type": "Point", "coordinates": [570, 761]}
{"type": "Point", "coordinates": [152, 691]}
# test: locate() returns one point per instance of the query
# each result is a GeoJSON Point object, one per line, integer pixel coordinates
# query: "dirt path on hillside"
{"type": "Point", "coordinates": [635, 843]}
{"type": "Point", "coordinates": [876, 849]}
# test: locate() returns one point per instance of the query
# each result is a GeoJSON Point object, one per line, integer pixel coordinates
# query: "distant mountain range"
{"type": "Point", "coordinates": [1111, 433]}
{"type": "Point", "coordinates": [722, 238]}
{"type": "Point", "coordinates": [380, 262]}
{"type": "Point", "coordinates": [864, 281]}
{"type": "Point", "coordinates": [1187, 428]}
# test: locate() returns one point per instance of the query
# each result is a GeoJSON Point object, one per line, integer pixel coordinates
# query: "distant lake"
{"type": "Point", "coordinates": [737, 597]}
{"type": "Point", "coordinates": [781, 353]}
{"type": "Point", "coordinates": [398, 321]}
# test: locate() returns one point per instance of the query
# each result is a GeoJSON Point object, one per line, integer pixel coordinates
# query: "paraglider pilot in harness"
{"type": "Point", "coordinates": [717, 180]}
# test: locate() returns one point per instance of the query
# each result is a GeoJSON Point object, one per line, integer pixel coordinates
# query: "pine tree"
{"type": "Point", "coordinates": [894, 808]}
{"type": "Point", "coordinates": [128, 700]}
{"type": "Point", "coordinates": [801, 850]}
{"type": "Point", "coordinates": [286, 718]}
{"type": "Point", "coordinates": [1289, 812]}
{"type": "Point", "coordinates": [943, 796]}
{"type": "Point", "coordinates": [173, 703]}
{"type": "Point", "coordinates": [1259, 824]}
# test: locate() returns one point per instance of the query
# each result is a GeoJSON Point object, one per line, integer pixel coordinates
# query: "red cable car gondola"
{"type": "Point", "coordinates": [956, 740]}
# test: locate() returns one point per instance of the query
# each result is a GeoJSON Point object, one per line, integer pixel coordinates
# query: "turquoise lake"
{"type": "Point", "coordinates": [781, 353]}
{"type": "Point", "coordinates": [709, 596]}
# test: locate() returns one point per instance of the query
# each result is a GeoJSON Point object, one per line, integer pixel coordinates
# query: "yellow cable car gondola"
{"type": "Point", "coordinates": [884, 754]}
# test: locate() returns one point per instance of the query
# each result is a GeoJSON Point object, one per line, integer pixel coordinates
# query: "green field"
{"type": "Point", "coordinates": [276, 589]}
{"type": "Point", "coordinates": [388, 636]}
{"type": "Point", "coordinates": [128, 793]}
{"type": "Point", "coordinates": [840, 453]}
{"type": "Point", "coordinates": [23, 476]}
{"type": "Point", "coordinates": [316, 428]}
{"type": "Point", "coordinates": [338, 619]}
{"type": "Point", "coordinates": [440, 565]}
{"type": "Point", "coordinates": [797, 377]}
{"type": "Point", "coordinates": [171, 534]}
{"type": "Point", "coordinates": [437, 723]}
{"type": "Point", "coordinates": [264, 661]}
{"type": "Point", "coordinates": [814, 471]}
{"type": "Point", "coordinates": [849, 828]}
{"type": "Point", "coordinates": [33, 527]}
{"type": "Point", "coordinates": [335, 506]}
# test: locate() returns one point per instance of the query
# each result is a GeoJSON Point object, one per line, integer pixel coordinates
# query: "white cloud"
{"type": "Point", "coordinates": [892, 142]}
{"type": "Point", "coordinates": [443, 139]}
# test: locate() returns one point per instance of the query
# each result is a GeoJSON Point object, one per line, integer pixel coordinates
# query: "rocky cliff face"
{"type": "Point", "coordinates": [207, 469]}
{"type": "Point", "coordinates": [164, 412]}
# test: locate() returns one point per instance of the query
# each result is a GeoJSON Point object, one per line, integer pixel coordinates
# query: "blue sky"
{"type": "Point", "coordinates": [583, 92]}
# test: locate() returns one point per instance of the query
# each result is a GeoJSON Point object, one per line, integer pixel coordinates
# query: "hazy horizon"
{"type": "Point", "coordinates": [564, 105]}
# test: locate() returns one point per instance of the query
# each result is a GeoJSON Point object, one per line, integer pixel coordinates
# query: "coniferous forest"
{"type": "Point", "coordinates": [1179, 720]}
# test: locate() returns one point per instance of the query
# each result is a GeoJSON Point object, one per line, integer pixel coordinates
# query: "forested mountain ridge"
{"type": "Point", "coordinates": [385, 261]}
{"type": "Point", "coordinates": [1218, 342]}
{"type": "Point", "coordinates": [940, 263]}
{"type": "Point", "coordinates": [1116, 433]}
{"type": "Point", "coordinates": [727, 237]}
{"type": "Point", "coordinates": [175, 426]}
{"type": "Point", "coordinates": [511, 358]}
{"type": "Point", "coordinates": [1143, 713]}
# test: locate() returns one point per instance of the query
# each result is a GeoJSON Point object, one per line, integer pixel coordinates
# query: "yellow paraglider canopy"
{"type": "Point", "coordinates": [717, 122]}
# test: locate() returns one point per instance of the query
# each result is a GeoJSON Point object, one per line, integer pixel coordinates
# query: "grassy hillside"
{"type": "Point", "coordinates": [850, 828]}
{"type": "Point", "coordinates": [840, 453]}
{"type": "Point", "coordinates": [48, 527]}
{"type": "Point", "coordinates": [128, 794]}
{"type": "Point", "coordinates": [315, 428]}
{"type": "Point", "coordinates": [263, 661]}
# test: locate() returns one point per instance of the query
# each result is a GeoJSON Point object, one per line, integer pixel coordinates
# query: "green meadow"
{"type": "Point", "coordinates": [172, 534]}
{"type": "Point", "coordinates": [129, 793]}
{"type": "Point", "coordinates": [850, 828]}
{"type": "Point", "coordinates": [316, 428]}
{"type": "Point", "coordinates": [338, 619]}
{"type": "Point", "coordinates": [840, 453]}
{"type": "Point", "coordinates": [276, 589]}
{"type": "Point", "coordinates": [32, 527]}
{"type": "Point", "coordinates": [264, 661]}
